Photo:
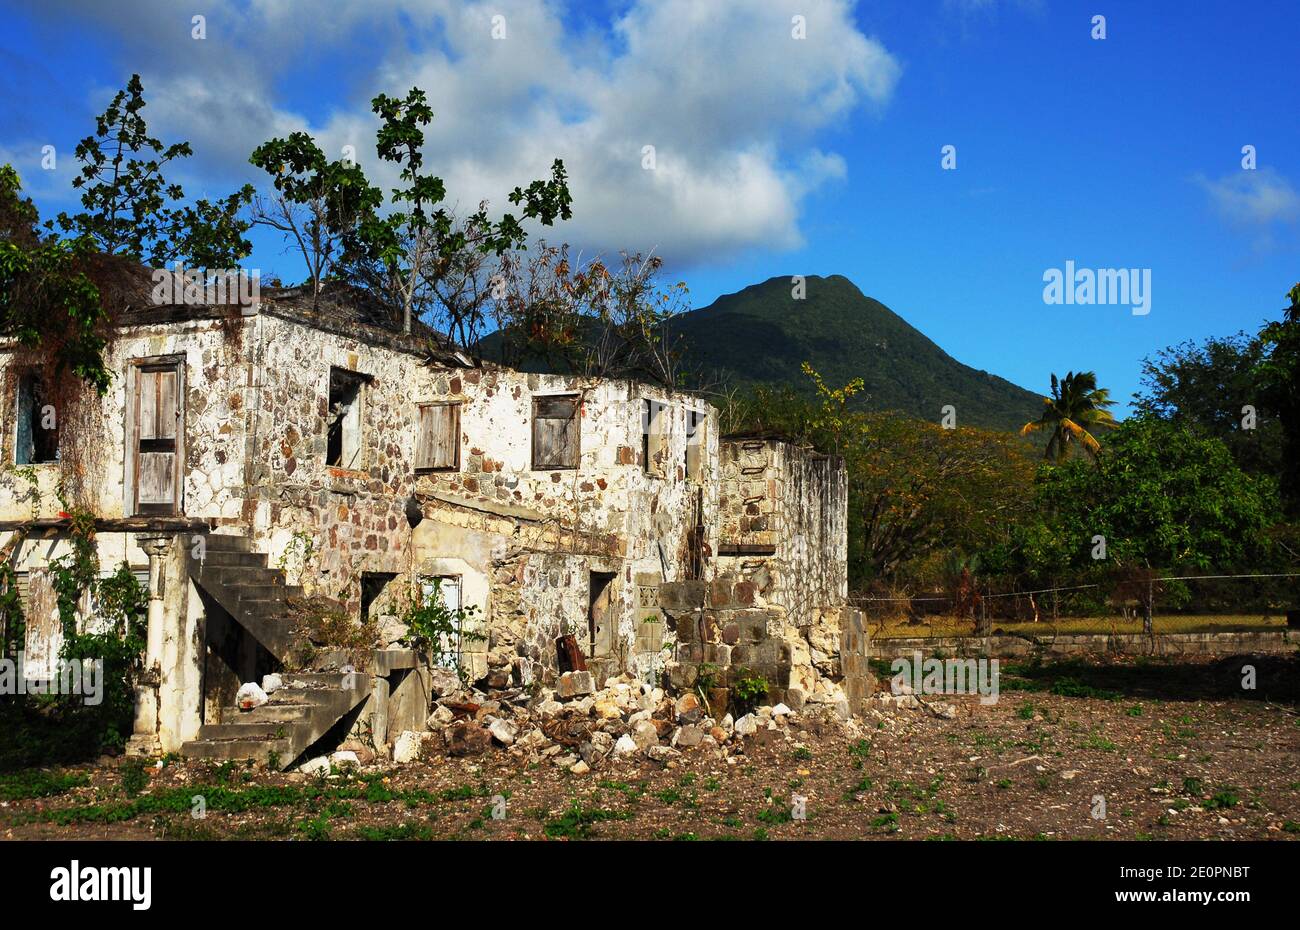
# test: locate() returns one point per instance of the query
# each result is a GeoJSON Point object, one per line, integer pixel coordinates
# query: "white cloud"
{"type": "Point", "coordinates": [1255, 198]}
{"type": "Point", "coordinates": [731, 102]}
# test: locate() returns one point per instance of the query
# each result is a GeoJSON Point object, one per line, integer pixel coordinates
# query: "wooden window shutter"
{"type": "Point", "coordinates": [555, 432]}
{"type": "Point", "coordinates": [438, 444]}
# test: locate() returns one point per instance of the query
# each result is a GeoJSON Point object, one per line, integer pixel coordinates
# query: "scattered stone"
{"type": "Point", "coordinates": [688, 737]}
{"type": "Point", "coordinates": [318, 766]}
{"type": "Point", "coordinates": [503, 731]}
{"type": "Point", "coordinates": [444, 681]}
{"type": "Point", "coordinates": [580, 768]}
{"type": "Point", "coordinates": [365, 754]}
{"type": "Point", "coordinates": [407, 747]}
{"type": "Point", "coordinates": [662, 754]}
{"type": "Point", "coordinates": [574, 684]}
{"type": "Point", "coordinates": [688, 708]}
{"type": "Point", "coordinates": [644, 735]}
{"type": "Point", "coordinates": [440, 717]}
{"type": "Point", "coordinates": [272, 683]}
{"type": "Point", "coordinates": [746, 725]}
{"type": "Point", "coordinates": [344, 757]}
{"type": "Point", "coordinates": [465, 739]}
{"type": "Point", "coordinates": [626, 745]}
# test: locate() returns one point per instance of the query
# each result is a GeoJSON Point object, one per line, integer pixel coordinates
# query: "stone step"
{"type": "Point", "coordinates": [234, 575]}
{"type": "Point", "coordinates": [233, 558]}
{"type": "Point", "coordinates": [228, 542]}
{"type": "Point", "coordinates": [266, 611]}
{"type": "Point", "coordinates": [332, 680]}
{"type": "Point", "coordinates": [264, 592]}
{"type": "Point", "coordinates": [271, 712]}
{"type": "Point", "coordinates": [239, 729]}
{"type": "Point", "coordinates": [293, 720]}
{"type": "Point", "coordinates": [258, 748]}
{"type": "Point", "coordinates": [254, 595]}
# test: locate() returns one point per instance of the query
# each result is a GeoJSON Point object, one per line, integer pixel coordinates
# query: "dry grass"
{"type": "Point", "coordinates": [938, 626]}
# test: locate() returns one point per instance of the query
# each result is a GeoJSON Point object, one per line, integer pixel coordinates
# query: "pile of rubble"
{"type": "Point", "coordinates": [580, 727]}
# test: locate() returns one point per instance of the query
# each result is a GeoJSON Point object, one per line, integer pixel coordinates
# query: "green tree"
{"type": "Point", "coordinates": [916, 490]}
{"type": "Point", "coordinates": [420, 241]}
{"type": "Point", "coordinates": [320, 206]}
{"type": "Point", "coordinates": [1164, 496]}
{"type": "Point", "coordinates": [131, 209]}
{"type": "Point", "coordinates": [1206, 386]}
{"type": "Point", "coordinates": [47, 300]}
{"type": "Point", "coordinates": [1280, 383]}
{"type": "Point", "coordinates": [1075, 411]}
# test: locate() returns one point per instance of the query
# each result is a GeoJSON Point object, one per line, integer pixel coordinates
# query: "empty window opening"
{"type": "Point", "coordinates": [377, 595]}
{"type": "Point", "coordinates": [38, 426]}
{"type": "Point", "coordinates": [696, 433]}
{"type": "Point", "coordinates": [600, 615]}
{"type": "Point", "coordinates": [555, 432]}
{"type": "Point", "coordinates": [654, 440]}
{"type": "Point", "coordinates": [438, 445]}
{"type": "Point", "coordinates": [445, 590]}
{"type": "Point", "coordinates": [343, 449]}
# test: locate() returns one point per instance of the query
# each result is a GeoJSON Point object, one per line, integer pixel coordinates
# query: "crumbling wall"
{"type": "Point", "coordinates": [256, 417]}
{"type": "Point", "coordinates": [540, 534]}
{"type": "Point", "coordinates": [783, 511]}
{"type": "Point", "coordinates": [721, 637]}
{"type": "Point", "coordinates": [328, 525]}
{"type": "Point", "coordinates": [213, 405]}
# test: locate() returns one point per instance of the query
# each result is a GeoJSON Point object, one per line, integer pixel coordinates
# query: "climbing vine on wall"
{"type": "Point", "coordinates": [115, 630]}
{"type": "Point", "coordinates": [436, 629]}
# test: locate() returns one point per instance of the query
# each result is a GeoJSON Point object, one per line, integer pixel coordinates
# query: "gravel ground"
{"type": "Point", "coordinates": [1123, 750]}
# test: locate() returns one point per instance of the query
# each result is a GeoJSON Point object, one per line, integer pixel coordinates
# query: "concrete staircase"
{"type": "Point", "coordinates": [295, 718]}
{"type": "Point", "coordinates": [310, 704]}
{"type": "Point", "coordinates": [254, 594]}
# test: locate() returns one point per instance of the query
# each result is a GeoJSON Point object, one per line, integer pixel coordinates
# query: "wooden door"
{"type": "Point", "coordinates": [157, 431]}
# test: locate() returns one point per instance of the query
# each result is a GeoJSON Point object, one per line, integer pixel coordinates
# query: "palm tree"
{"type": "Point", "coordinates": [1076, 409]}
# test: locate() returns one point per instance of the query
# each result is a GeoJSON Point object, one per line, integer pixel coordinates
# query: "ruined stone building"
{"type": "Point", "coordinates": [247, 461]}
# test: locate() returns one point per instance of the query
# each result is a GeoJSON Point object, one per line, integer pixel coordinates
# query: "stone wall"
{"type": "Point", "coordinates": [783, 514]}
{"type": "Point", "coordinates": [1067, 644]}
{"type": "Point", "coordinates": [720, 638]}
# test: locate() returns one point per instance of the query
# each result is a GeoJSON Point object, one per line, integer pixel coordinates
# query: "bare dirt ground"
{"type": "Point", "coordinates": [1174, 750]}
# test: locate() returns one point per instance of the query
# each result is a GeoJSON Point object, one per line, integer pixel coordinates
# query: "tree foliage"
{"type": "Point", "coordinates": [1280, 390]}
{"type": "Point", "coordinates": [591, 319]}
{"type": "Point", "coordinates": [1076, 409]}
{"type": "Point", "coordinates": [916, 489]}
{"type": "Point", "coordinates": [129, 208]}
{"type": "Point", "coordinates": [1162, 495]}
{"type": "Point", "coordinates": [1206, 386]}
{"type": "Point", "coordinates": [47, 300]}
{"type": "Point", "coordinates": [325, 209]}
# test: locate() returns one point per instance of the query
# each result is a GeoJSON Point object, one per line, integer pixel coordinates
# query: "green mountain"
{"type": "Point", "coordinates": [762, 334]}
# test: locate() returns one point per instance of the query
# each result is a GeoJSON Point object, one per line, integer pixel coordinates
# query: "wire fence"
{"type": "Point", "coordinates": [1123, 598]}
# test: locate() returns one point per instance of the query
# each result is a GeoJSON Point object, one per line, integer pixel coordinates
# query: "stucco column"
{"type": "Point", "coordinates": [156, 548]}
{"type": "Point", "coordinates": [144, 741]}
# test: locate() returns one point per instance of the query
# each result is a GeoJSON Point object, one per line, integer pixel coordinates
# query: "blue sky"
{"type": "Point", "coordinates": [775, 156]}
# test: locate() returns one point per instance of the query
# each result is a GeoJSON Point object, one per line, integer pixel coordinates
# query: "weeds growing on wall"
{"type": "Point", "coordinates": [41, 729]}
{"type": "Point", "coordinates": [436, 629]}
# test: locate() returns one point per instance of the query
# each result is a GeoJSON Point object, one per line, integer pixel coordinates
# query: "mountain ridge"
{"type": "Point", "coordinates": [762, 334]}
